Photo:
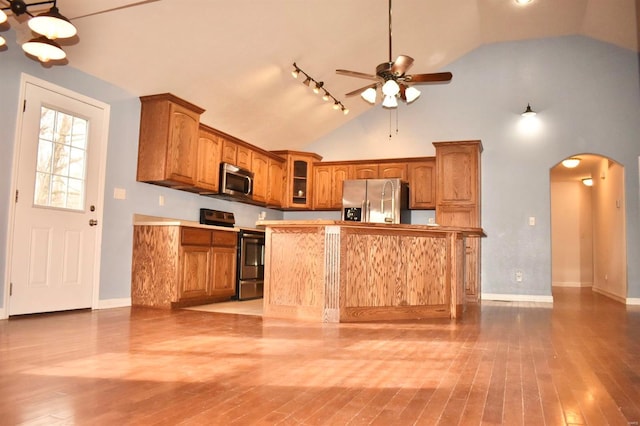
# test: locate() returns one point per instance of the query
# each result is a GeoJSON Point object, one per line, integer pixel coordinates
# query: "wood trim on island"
{"type": "Point", "coordinates": [335, 271]}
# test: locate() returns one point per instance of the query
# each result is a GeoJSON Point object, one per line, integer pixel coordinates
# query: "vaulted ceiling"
{"type": "Point", "coordinates": [234, 58]}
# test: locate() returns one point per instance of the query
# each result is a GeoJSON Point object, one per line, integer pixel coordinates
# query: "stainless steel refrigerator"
{"type": "Point", "coordinates": [375, 200]}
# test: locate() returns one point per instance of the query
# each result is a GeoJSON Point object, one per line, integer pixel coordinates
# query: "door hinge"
{"type": "Point", "coordinates": [10, 289]}
{"type": "Point", "coordinates": [17, 192]}
{"type": "Point", "coordinates": [24, 105]}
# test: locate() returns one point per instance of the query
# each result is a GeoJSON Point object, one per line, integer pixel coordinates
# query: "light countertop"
{"type": "Point", "coordinates": [140, 219]}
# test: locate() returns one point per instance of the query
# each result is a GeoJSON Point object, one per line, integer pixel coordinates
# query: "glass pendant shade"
{"type": "Point", "coordinates": [3, 17]}
{"type": "Point", "coordinates": [44, 49]}
{"type": "Point", "coordinates": [370, 95]}
{"type": "Point", "coordinates": [2, 41]}
{"type": "Point", "coordinates": [390, 88]}
{"type": "Point", "coordinates": [390, 102]}
{"type": "Point", "coordinates": [52, 25]}
{"type": "Point", "coordinates": [411, 94]}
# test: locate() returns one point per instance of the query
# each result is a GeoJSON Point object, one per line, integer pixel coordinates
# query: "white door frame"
{"type": "Point", "coordinates": [28, 79]}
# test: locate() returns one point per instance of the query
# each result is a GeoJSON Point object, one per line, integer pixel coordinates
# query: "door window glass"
{"type": "Point", "coordinates": [61, 163]}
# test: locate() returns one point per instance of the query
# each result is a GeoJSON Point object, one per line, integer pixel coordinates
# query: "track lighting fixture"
{"type": "Point", "coordinates": [317, 87]}
{"type": "Point", "coordinates": [51, 25]}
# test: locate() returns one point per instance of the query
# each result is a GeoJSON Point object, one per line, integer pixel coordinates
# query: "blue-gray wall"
{"type": "Point", "coordinates": [588, 101]}
{"type": "Point", "coordinates": [586, 92]}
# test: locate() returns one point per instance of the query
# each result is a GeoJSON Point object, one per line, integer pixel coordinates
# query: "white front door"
{"type": "Point", "coordinates": [58, 201]}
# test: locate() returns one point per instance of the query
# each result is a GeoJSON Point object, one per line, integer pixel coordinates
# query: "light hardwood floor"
{"type": "Point", "coordinates": [575, 363]}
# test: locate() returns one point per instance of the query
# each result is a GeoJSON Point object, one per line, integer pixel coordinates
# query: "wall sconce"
{"type": "Point", "coordinates": [51, 25]}
{"type": "Point", "coordinates": [528, 112]}
{"type": "Point", "coordinates": [587, 181]}
{"type": "Point", "coordinates": [571, 163]}
{"type": "Point", "coordinates": [317, 87]}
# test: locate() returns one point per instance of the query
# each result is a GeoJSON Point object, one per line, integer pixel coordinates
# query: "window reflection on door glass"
{"type": "Point", "coordinates": [61, 162]}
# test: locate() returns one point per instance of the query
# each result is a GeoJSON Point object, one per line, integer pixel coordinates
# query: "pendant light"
{"type": "Point", "coordinates": [52, 25]}
{"type": "Point", "coordinates": [44, 49]}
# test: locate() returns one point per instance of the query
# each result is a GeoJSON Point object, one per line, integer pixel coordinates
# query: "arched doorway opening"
{"type": "Point", "coordinates": [588, 242]}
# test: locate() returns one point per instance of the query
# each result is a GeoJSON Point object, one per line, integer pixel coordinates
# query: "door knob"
{"type": "Point", "coordinates": [93, 222]}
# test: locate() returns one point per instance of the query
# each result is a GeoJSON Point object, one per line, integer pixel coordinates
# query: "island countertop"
{"type": "Point", "coordinates": [339, 271]}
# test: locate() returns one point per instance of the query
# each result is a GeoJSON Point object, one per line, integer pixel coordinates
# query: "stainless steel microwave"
{"type": "Point", "coordinates": [235, 181]}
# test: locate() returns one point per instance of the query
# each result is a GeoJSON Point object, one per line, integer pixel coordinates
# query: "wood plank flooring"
{"type": "Point", "coordinates": [577, 362]}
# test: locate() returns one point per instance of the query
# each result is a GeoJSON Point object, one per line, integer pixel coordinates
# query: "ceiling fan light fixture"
{"type": "Point", "coordinates": [2, 41]}
{"type": "Point", "coordinates": [370, 95]}
{"type": "Point", "coordinates": [44, 49]}
{"type": "Point", "coordinates": [411, 94]}
{"type": "Point", "coordinates": [390, 101]}
{"type": "Point", "coordinates": [3, 17]}
{"type": "Point", "coordinates": [52, 25]}
{"type": "Point", "coordinates": [390, 88]}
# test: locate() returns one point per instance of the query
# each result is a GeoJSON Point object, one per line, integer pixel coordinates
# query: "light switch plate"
{"type": "Point", "coordinates": [532, 221]}
{"type": "Point", "coordinates": [119, 193]}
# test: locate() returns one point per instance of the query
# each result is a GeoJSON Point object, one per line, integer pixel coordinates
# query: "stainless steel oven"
{"type": "Point", "coordinates": [250, 264]}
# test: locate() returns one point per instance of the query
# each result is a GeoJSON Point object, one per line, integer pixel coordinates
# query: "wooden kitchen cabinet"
{"type": "Point", "coordinates": [366, 171]}
{"type": "Point", "coordinates": [223, 264]}
{"type": "Point", "coordinates": [327, 185]}
{"type": "Point", "coordinates": [176, 266]}
{"type": "Point", "coordinates": [422, 184]}
{"type": "Point", "coordinates": [392, 170]}
{"type": "Point", "coordinates": [298, 178]}
{"type": "Point", "coordinates": [458, 200]}
{"type": "Point", "coordinates": [168, 143]}
{"type": "Point", "coordinates": [229, 151]}
{"type": "Point", "coordinates": [276, 185]}
{"type": "Point", "coordinates": [209, 155]}
{"type": "Point", "coordinates": [260, 168]}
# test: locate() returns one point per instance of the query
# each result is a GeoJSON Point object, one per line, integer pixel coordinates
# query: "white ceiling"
{"type": "Point", "coordinates": [233, 58]}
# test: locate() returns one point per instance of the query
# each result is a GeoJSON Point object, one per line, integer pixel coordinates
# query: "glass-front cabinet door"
{"type": "Point", "coordinates": [298, 176]}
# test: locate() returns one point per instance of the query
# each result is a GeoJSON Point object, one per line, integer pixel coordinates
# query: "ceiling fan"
{"type": "Point", "coordinates": [392, 77]}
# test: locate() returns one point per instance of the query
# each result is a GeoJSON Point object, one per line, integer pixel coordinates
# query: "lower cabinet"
{"type": "Point", "coordinates": [176, 266]}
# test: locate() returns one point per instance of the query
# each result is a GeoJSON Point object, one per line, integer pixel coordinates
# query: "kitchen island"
{"type": "Point", "coordinates": [337, 271]}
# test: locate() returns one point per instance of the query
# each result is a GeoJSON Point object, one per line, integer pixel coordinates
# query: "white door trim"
{"type": "Point", "coordinates": [28, 79]}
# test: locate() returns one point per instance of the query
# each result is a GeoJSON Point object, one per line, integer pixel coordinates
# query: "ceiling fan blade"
{"type": "Point", "coordinates": [357, 74]}
{"type": "Point", "coordinates": [362, 89]}
{"type": "Point", "coordinates": [401, 65]}
{"type": "Point", "coordinates": [428, 78]}
{"type": "Point", "coordinates": [125, 6]}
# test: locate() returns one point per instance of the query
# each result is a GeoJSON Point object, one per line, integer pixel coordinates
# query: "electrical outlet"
{"type": "Point", "coordinates": [519, 276]}
{"type": "Point", "coordinates": [161, 200]}
{"type": "Point", "coordinates": [532, 221]}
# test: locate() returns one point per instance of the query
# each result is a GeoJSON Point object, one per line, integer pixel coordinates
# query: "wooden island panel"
{"type": "Point", "coordinates": [334, 271]}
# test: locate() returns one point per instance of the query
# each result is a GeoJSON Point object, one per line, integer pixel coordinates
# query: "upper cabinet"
{"type": "Point", "coordinates": [365, 171]}
{"type": "Point", "coordinates": [298, 177]}
{"type": "Point", "coordinates": [327, 184]}
{"type": "Point", "coordinates": [276, 185]}
{"type": "Point", "coordinates": [260, 165]}
{"type": "Point", "coordinates": [208, 160]}
{"type": "Point", "coordinates": [459, 172]}
{"type": "Point", "coordinates": [168, 145]}
{"type": "Point", "coordinates": [422, 184]}
{"type": "Point", "coordinates": [392, 170]}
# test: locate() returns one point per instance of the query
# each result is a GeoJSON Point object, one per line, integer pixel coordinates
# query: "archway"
{"type": "Point", "coordinates": [588, 241]}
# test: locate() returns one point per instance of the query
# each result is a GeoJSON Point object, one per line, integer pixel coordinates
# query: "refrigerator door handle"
{"type": "Point", "coordinates": [368, 210]}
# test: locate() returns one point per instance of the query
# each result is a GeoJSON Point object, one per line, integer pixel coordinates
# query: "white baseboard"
{"type": "Point", "coordinates": [114, 303]}
{"type": "Point", "coordinates": [516, 298]}
{"type": "Point", "coordinates": [571, 284]}
{"type": "Point", "coordinates": [633, 301]}
{"type": "Point", "coordinates": [610, 295]}
{"type": "Point", "coordinates": [3, 314]}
